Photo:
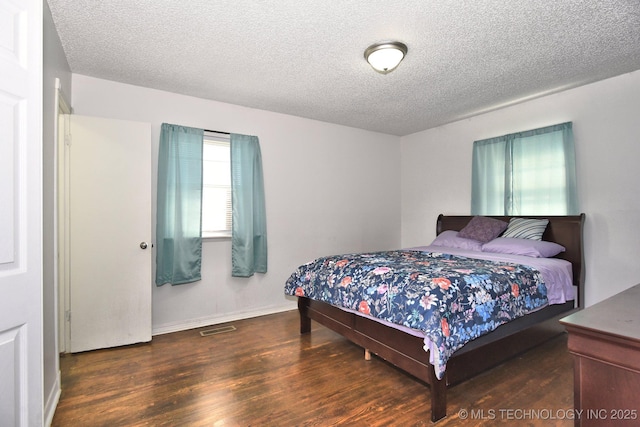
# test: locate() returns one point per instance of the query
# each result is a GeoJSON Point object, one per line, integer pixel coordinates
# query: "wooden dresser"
{"type": "Point", "coordinates": [604, 340]}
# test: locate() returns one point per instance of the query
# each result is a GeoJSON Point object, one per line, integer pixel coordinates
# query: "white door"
{"type": "Point", "coordinates": [109, 232]}
{"type": "Point", "coordinates": [21, 383]}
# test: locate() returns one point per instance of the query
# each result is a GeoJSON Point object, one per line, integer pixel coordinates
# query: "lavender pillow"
{"type": "Point", "coordinates": [526, 247]}
{"type": "Point", "coordinates": [483, 229]}
{"type": "Point", "coordinates": [450, 239]}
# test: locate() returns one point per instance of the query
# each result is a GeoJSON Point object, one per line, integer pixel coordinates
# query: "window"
{"type": "Point", "coordinates": [216, 186]}
{"type": "Point", "coordinates": [195, 191]}
{"type": "Point", "coordinates": [525, 173]}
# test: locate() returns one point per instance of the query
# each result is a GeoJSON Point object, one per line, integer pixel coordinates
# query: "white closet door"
{"type": "Point", "coordinates": [109, 233]}
{"type": "Point", "coordinates": [21, 384]}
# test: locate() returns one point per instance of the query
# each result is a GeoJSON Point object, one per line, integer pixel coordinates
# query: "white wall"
{"type": "Point", "coordinates": [329, 189]}
{"type": "Point", "coordinates": [436, 173]}
{"type": "Point", "coordinates": [333, 189]}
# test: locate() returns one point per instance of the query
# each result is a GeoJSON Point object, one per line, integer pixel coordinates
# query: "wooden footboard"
{"type": "Point", "coordinates": [406, 351]}
{"type": "Point", "coordinates": [398, 348]}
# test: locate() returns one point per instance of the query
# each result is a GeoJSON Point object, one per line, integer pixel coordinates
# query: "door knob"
{"type": "Point", "coordinates": [143, 245]}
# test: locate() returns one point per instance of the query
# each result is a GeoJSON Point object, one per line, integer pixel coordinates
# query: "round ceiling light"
{"type": "Point", "coordinates": [384, 57]}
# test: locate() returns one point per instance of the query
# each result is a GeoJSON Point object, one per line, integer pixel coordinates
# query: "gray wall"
{"type": "Point", "coordinates": [55, 66]}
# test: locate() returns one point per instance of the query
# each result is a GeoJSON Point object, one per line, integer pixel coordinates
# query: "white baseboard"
{"type": "Point", "coordinates": [214, 320]}
{"type": "Point", "coordinates": [52, 401]}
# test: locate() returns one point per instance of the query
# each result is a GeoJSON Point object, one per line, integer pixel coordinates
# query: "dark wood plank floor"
{"type": "Point", "coordinates": [266, 374]}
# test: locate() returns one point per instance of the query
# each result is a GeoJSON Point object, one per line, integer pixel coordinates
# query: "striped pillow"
{"type": "Point", "coordinates": [523, 228]}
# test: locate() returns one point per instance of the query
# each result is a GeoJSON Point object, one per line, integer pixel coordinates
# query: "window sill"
{"type": "Point", "coordinates": [216, 237]}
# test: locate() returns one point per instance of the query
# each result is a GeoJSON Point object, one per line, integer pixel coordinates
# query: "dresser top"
{"type": "Point", "coordinates": [618, 315]}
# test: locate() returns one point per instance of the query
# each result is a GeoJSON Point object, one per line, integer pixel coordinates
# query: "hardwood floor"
{"type": "Point", "coordinates": [266, 374]}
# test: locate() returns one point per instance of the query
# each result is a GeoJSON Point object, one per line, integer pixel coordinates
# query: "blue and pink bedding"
{"type": "Point", "coordinates": [450, 298]}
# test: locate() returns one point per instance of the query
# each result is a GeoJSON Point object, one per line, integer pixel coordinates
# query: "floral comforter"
{"type": "Point", "coordinates": [452, 299]}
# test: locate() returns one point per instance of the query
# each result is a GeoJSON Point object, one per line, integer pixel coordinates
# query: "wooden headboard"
{"type": "Point", "coordinates": [564, 230]}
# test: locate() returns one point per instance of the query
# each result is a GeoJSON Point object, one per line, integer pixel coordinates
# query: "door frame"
{"type": "Point", "coordinates": [61, 218]}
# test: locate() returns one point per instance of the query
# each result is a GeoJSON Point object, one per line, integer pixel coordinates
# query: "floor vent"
{"type": "Point", "coordinates": [220, 330]}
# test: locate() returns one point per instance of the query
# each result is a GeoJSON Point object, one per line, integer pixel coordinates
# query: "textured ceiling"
{"type": "Point", "coordinates": [305, 58]}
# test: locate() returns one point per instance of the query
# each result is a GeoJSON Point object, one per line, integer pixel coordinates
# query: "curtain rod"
{"type": "Point", "coordinates": [216, 131]}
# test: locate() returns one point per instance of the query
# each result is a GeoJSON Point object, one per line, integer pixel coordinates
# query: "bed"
{"type": "Point", "coordinates": [403, 347]}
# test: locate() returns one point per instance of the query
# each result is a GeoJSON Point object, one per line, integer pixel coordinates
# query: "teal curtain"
{"type": "Point", "coordinates": [525, 173]}
{"type": "Point", "coordinates": [249, 223]}
{"type": "Point", "coordinates": [179, 217]}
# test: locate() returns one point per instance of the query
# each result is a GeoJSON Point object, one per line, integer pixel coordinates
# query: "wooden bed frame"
{"type": "Point", "coordinates": [406, 351]}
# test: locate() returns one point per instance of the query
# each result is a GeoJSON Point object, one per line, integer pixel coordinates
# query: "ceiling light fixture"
{"type": "Point", "coordinates": [384, 57]}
